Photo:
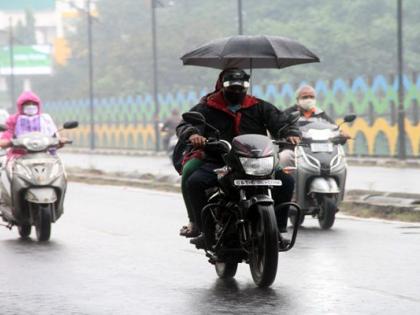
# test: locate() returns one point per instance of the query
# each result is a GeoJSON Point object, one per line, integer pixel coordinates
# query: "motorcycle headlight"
{"type": "Point", "coordinates": [258, 166]}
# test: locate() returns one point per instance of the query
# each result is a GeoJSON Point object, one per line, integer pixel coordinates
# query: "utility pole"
{"type": "Point", "coordinates": [91, 92]}
{"type": "Point", "coordinates": [155, 75]}
{"type": "Point", "coordinates": [401, 111]}
{"type": "Point", "coordinates": [12, 64]}
{"type": "Point", "coordinates": [240, 18]}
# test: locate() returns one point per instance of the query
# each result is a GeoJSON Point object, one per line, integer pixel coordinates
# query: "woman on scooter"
{"type": "Point", "coordinates": [28, 118]}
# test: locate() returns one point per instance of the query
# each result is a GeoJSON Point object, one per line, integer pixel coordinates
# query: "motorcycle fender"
{"type": "Point", "coordinates": [324, 186]}
{"type": "Point", "coordinates": [41, 195]}
{"type": "Point", "coordinates": [259, 199]}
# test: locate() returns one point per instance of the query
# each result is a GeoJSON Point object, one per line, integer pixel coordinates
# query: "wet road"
{"type": "Point", "coordinates": [116, 251]}
{"type": "Point", "coordinates": [367, 178]}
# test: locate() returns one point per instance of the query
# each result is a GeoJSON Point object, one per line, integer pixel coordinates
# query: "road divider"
{"type": "Point", "coordinates": [362, 203]}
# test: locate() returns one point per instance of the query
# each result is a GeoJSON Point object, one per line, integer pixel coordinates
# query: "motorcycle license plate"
{"type": "Point", "coordinates": [321, 147]}
{"type": "Point", "coordinates": [257, 182]}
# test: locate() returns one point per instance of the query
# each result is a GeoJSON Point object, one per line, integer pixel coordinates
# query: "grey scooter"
{"type": "Point", "coordinates": [321, 170]}
{"type": "Point", "coordinates": [33, 186]}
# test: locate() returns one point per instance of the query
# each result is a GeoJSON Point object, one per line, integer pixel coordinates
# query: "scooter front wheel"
{"type": "Point", "coordinates": [326, 216]}
{"type": "Point", "coordinates": [43, 223]}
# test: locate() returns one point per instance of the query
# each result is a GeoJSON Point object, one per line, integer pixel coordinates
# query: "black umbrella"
{"type": "Point", "coordinates": [250, 52]}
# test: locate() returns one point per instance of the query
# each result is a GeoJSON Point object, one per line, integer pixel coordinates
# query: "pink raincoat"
{"type": "Point", "coordinates": [19, 124]}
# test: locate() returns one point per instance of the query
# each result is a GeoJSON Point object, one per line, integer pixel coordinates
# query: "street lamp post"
{"type": "Point", "coordinates": [153, 6]}
{"type": "Point", "coordinates": [12, 64]}
{"type": "Point", "coordinates": [240, 18]}
{"type": "Point", "coordinates": [401, 111]}
{"type": "Point", "coordinates": [91, 104]}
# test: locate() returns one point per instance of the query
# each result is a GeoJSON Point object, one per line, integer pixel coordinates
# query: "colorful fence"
{"type": "Point", "coordinates": [127, 122]}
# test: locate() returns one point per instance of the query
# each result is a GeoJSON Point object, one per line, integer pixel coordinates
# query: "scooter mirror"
{"type": "Point", "coordinates": [70, 124]}
{"type": "Point", "coordinates": [350, 118]}
{"type": "Point", "coordinates": [3, 128]}
{"type": "Point", "coordinates": [194, 118]}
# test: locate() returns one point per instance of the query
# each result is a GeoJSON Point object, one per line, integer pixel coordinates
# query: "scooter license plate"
{"type": "Point", "coordinates": [321, 147]}
{"type": "Point", "coordinates": [257, 182]}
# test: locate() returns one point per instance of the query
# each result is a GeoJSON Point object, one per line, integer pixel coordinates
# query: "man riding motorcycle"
{"type": "Point", "coordinates": [233, 113]}
{"type": "Point", "coordinates": [306, 106]}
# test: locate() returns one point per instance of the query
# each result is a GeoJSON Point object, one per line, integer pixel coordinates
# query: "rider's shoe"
{"type": "Point", "coordinates": [283, 242]}
{"type": "Point", "coordinates": [283, 230]}
{"type": "Point", "coordinates": [199, 241]}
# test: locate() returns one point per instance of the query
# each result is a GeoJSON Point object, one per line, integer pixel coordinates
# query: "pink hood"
{"type": "Point", "coordinates": [28, 97]}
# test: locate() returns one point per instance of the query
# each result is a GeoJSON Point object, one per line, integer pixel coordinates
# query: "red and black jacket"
{"type": "Point", "coordinates": [254, 117]}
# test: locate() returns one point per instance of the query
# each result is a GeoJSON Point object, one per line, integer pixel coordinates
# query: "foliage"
{"type": "Point", "coordinates": [351, 37]}
{"type": "Point", "coordinates": [25, 32]}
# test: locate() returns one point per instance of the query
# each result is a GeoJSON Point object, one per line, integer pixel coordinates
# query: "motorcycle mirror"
{"type": "Point", "coordinates": [293, 117]}
{"type": "Point", "coordinates": [3, 128]}
{"type": "Point", "coordinates": [70, 124]}
{"type": "Point", "coordinates": [350, 118]}
{"type": "Point", "coordinates": [194, 118]}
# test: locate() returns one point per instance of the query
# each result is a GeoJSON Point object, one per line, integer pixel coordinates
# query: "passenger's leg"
{"type": "Point", "coordinates": [282, 194]}
{"type": "Point", "coordinates": [189, 168]}
{"type": "Point", "coordinates": [202, 179]}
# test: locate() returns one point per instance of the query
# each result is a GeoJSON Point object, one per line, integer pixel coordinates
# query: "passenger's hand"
{"type": "Point", "coordinates": [197, 141]}
{"type": "Point", "coordinates": [294, 140]}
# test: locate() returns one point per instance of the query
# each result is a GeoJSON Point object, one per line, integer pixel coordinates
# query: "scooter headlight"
{"type": "Point", "coordinates": [55, 170]}
{"type": "Point", "coordinates": [258, 166]}
{"type": "Point", "coordinates": [22, 171]}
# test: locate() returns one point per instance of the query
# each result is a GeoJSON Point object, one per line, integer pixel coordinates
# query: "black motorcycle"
{"type": "Point", "coordinates": [239, 221]}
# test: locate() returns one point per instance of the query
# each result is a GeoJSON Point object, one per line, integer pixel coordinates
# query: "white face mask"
{"type": "Point", "coordinates": [30, 110]}
{"type": "Point", "coordinates": [307, 104]}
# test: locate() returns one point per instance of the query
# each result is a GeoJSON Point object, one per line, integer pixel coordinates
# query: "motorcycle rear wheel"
{"type": "Point", "coordinates": [43, 223]}
{"type": "Point", "coordinates": [326, 216]}
{"type": "Point", "coordinates": [293, 219]}
{"type": "Point", "coordinates": [263, 257]}
{"type": "Point", "coordinates": [226, 270]}
{"type": "Point", "coordinates": [24, 230]}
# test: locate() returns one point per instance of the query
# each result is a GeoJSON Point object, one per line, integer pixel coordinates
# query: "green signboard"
{"type": "Point", "coordinates": [20, 5]}
{"type": "Point", "coordinates": [28, 60]}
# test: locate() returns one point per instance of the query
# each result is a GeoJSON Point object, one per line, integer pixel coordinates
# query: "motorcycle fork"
{"type": "Point", "coordinates": [241, 222]}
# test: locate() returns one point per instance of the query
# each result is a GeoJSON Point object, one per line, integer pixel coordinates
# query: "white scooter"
{"type": "Point", "coordinates": [321, 170]}
{"type": "Point", "coordinates": [33, 185]}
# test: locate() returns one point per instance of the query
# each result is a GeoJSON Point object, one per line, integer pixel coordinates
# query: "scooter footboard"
{"type": "Point", "coordinates": [41, 195]}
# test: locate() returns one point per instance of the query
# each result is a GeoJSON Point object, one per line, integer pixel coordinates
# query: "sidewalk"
{"type": "Point", "coordinates": [351, 160]}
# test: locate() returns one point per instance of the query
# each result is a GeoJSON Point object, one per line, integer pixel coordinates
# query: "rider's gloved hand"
{"type": "Point", "coordinates": [294, 140]}
{"type": "Point", "coordinates": [197, 141]}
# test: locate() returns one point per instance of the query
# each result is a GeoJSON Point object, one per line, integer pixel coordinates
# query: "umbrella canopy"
{"type": "Point", "coordinates": [250, 52]}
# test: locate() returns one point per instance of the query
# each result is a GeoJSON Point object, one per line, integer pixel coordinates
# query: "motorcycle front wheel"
{"type": "Point", "coordinates": [263, 257]}
{"type": "Point", "coordinates": [43, 223]}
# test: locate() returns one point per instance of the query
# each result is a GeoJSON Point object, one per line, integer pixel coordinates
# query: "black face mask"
{"type": "Point", "coordinates": [234, 96]}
